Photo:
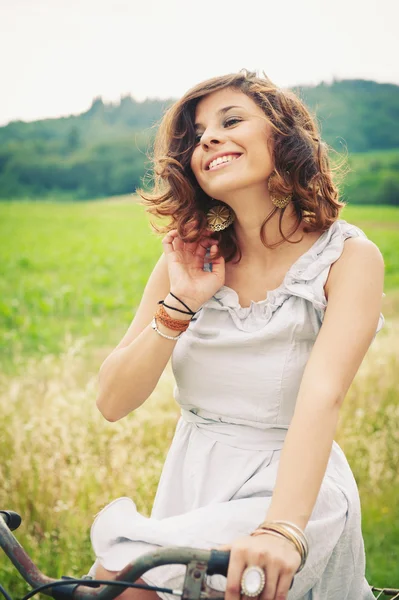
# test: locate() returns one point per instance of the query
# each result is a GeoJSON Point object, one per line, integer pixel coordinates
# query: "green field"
{"type": "Point", "coordinates": [72, 277]}
{"type": "Point", "coordinates": [372, 178]}
{"type": "Point", "coordinates": [78, 269]}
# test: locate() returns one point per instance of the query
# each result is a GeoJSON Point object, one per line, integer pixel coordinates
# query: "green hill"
{"type": "Point", "coordinates": [360, 114]}
{"type": "Point", "coordinates": [103, 151]}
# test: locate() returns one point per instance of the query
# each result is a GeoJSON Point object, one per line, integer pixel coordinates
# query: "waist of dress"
{"type": "Point", "coordinates": [238, 435]}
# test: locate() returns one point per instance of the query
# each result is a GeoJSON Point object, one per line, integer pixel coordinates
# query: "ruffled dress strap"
{"type": "Point", "coordinates": [305, 279]}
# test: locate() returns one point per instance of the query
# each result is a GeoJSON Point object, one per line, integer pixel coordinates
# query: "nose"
{"type": "Point", "coordinates": [211, 137]}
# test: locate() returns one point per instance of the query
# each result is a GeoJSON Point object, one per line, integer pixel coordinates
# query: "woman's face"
{"type": "Point", "coordinates": [231, 151]}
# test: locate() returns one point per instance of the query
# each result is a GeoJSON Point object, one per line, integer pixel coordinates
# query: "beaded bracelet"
{"type": "Point", "coordinates": [167, 337]}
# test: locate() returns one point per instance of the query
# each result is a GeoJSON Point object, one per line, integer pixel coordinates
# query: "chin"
{"type": "Point", "coordinates": [230, 186]}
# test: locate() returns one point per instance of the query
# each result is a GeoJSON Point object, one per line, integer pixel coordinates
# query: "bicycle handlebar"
{"type": "Point", "coordinates": [11, 518]}
{"type": "Point", "coordinates": [200, 563]}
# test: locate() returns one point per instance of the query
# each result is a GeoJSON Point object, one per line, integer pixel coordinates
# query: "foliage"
{"type": "Point", "coordinates": [104, 151]}
{"type": "Point", "coordinates": [373, 178]}
{"type": "Point", "coordinates": [356, 113]}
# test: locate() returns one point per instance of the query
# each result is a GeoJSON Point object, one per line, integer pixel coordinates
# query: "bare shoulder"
{"type": "Point", "coordinates": [361, 259]}
{"type": "Point", "coordinates": [157, 288]}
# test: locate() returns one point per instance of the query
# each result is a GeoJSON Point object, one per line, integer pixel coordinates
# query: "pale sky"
{"type": "Point", "coordinates": [57, 55]}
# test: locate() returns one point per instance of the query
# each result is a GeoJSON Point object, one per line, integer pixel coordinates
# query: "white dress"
{"type": "Point", "coordinates": [238, 372]}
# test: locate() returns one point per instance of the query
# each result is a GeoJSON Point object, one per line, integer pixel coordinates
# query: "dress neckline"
{"type": "Point", "coordinates": [293, 268]}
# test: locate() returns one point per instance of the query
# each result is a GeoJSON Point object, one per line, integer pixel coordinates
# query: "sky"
{"type": "Point", "coordinates": [57, 55]}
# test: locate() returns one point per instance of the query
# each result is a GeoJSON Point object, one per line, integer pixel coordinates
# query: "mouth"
{"type": "Point", "coordinates": [222, 161]}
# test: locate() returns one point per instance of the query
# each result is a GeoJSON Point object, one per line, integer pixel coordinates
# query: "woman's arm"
{"type": "Point", "coordinates": [354, 290]}
{"type": "Point", "coordinates": [354, 302]}
{"type": "Point", "coordinates": [130, 373]}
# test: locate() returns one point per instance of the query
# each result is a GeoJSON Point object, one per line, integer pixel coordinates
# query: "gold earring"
{"type": "Point", "coordinates": [219, 217]}
{"type": "Point", "coordinates": [279, 201]}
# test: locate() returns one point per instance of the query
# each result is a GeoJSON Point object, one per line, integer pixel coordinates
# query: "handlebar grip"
{"type": "Point", "coordinates": [11, 518]}
{"type": "Point", "coordinates": [218, 563]}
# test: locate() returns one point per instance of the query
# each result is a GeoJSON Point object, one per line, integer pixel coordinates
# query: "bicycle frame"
{"type": "Point", "coordinates": [199, 563]}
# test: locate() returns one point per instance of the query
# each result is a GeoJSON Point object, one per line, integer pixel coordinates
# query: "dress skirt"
{"type": "Point", "coordinates": [211, 492]}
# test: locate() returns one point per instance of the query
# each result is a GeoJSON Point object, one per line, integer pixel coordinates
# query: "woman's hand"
{"type": "Point", "coordinates": [275, 555]}
{"type": "Point", "coordinates": [187, 278]}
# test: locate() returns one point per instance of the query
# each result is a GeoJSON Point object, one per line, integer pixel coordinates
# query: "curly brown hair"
{"type": "Point", "coordinates": [302, 166]}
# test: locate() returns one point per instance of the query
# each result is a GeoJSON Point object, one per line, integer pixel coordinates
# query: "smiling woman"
{"type": "Point", "coordinates": [258, 334]}
{"type": "Point", "coordinates": [249, 113]}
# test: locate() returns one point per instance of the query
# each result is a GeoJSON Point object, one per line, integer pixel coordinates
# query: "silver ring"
{"type": "Point", "coordinates": [252, 581]}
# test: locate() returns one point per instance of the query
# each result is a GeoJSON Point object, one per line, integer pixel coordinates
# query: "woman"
{"type": "Point", "coordinates": [269, 303]}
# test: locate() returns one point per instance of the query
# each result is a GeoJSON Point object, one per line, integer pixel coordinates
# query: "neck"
{"type": "Point", "coordinates": [251, 209]}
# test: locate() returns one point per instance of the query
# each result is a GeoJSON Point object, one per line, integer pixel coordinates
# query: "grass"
{"type": "Point", "coordinates": [62, 462]}
{"type": "Point", "coordinates": [78, 270]}
{"type": "Point", "coordinates": [69, 270]}
{"type": "Point", "coordinates": [72, 276]}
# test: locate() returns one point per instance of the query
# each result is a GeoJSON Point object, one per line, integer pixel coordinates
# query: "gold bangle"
{"type": "Point", "coordinates": [289, 523]}
{"type": "Point", "coordinates": [291, 536]}
{"type": "Point", "coordinates": [264, 532]}
{"type": "Point", "coordinates": [297, 532]}
{"type": "Point", "coordinates": [288, 537]}
{"type": "Point", "coordinates": [290, 527]}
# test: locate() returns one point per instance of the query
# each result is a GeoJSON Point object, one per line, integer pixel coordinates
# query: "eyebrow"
{"type": "Point", "coordinates": [222, 111]}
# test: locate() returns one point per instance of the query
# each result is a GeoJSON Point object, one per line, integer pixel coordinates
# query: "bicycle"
{"type": "Point", "coordinates": [199, 563]}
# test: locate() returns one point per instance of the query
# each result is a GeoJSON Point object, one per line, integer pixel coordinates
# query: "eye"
{"type": "Point", "coordinates": [227, 123]}
{"type": "Point", "coordinates": [232, 121]}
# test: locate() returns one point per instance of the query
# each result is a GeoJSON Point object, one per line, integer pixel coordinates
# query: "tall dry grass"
{"type": "Point", "coordinates": [369, 426]}
{"type": "Point", "coordinates": [61, 462]}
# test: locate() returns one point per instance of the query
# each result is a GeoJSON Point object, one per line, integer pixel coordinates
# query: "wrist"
{"type": "Point", "coordinates": [299, 520]}
{"type": "Point", "coordinates": [291, 532]}
{"type": "Point", "coordinates": [172, 333]}
{"type": "Point", "coordinates": [175, 314]}
{"type": "Point", "coordinates": [190, 304]}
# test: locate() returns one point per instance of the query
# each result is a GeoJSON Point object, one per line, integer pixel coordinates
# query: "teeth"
{"type": "Point", "coordinates": [222, 159]}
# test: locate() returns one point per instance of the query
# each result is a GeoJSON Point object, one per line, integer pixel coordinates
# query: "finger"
{"type": "Point", "coordinates": [203, 246]}
{"type": "Point", "coordinates": [213, 249]}
{"type": "Point", "coordinates": [167, 241]}
{"type": "Point", "coordinates": [208, 241]}
{"type": "Point", "coordinates": [178, 244]}
{"type": "Point", "coordinates": [218, 264]}
{"type": "Point", "coordinates": [204, 241]}
{"type": "Point", "coordinates": [283, 585]}
{"type": "Point", "coordinates": [196, 253]}
{"type": "Point", "coordinates": [237, 565]}
{"type": "Point", "coordinates": [271, 575]}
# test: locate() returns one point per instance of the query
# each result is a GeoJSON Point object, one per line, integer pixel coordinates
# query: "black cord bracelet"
{"type": "Point", "coordinates": [183, 303]}
{"type": "Point", "coordinates": [185, 312]}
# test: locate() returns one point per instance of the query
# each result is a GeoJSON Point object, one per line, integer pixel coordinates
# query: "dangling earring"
{"type": "Point", "coordinates": [279, 201]}
{"type": "Point", "coordinates": [219, 217]}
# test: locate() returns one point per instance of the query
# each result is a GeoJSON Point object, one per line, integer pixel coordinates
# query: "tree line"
{"type": "Point", "coordinates": [104, 151]}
